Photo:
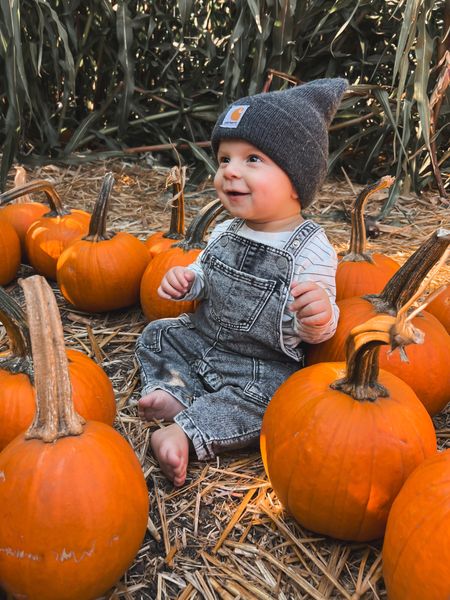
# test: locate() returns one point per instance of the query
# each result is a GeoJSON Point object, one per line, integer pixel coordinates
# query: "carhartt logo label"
{"type": "Point", "coordinates": [234, 116]}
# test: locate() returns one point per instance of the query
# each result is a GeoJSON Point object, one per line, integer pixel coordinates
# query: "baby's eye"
{"type": "Point", "coordinates": [224, 159]}
{"type": "Point", "coordinates": [254, 158]}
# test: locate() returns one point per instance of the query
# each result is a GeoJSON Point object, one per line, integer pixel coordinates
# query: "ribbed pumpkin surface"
{"type": "Point", "coordinates": [153, 306]}
{"type": "Point", "coordinates": [440, 308]}
{"type": "Point", "coordinates": [9, 252]}
{"type": "Point", "coordinates": [104, 275]}
{"type": "Point", "coordinates": [93, 396]}
{"type": "Point", "coordinates": [48, 237]}
{"type": "Point", "coordinates": [361, 278]}
{"type": "Point", "coordinates": [73, 513]}
{"type": "Point", "coordinates": [337, 463]}
{"type": "Point", "coordinates": [416, 550]}
{"type": "Point", "coordinates": [21, 216]}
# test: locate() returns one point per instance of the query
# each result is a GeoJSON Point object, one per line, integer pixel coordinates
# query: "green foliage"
{"type": "Point", "coordinates": [83, 80]}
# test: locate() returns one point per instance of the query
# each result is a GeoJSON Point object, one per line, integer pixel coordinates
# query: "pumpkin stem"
{"type": "Point", "coordinates": [357, 251]}
{"type": "Point", "coordinates": [18, 359]}
{"type": "Point", "coordinates": [55, 414]}
{"type": "Point", "coordinates": [197, 228]}
{"type": "Point", "coordinates": [363, 346]}
{"type": "Point", "coordinates": [176, 177]}
{"type": "Point", "coordinates": [20, 178]}
{"type": "Point", "coordinates": [39, 185]}
{"type": "Point", "coordinates": [407, 280]}
{"type": "Point", "coordinates": [97, 226]}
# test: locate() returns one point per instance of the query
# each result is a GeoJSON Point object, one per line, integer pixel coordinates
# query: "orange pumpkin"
{"type": "Point", "coordinates": [73, 499]}
{"type": "Point", "coordinates": [428, 368]}
{"type": "Point", "coordinates": [159, 241]}
{"type": "Point", "coordinates": [9, 252]}
{"type": "Point", "coordinates": [92, 390]}
{"type": "Point", "coordinates": [49, 235]}
{"type": "Point", "coordinates": [339, 439]}
{"type": "Point", "coordinates": [360, 272]}
{"type": "Point", "coordinates": [440, 308]}
{"type": "Point", "coordinates": [21, 213]}
{"type": "Point", "coordinates": [416, 550]}
{"type": "Point", "coordinates": [103, 270]}
{"type": "Point", "coordinates": [179, 254]}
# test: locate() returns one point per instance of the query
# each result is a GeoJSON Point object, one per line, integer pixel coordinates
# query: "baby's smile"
{"type": "Point", "coordinates": [235, 193]}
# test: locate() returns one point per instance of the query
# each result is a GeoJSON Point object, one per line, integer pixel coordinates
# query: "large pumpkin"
{"type": "Point", "coordinates": [102, 271]}
{"type": "Point", "coordinates": [22, 212]}
{"type": "Point", "coordinates": [428, 368]}
{"type": "Point", "coordinates": [416, 550]}
{"type": "Point", "coordinates": [50, 234]}
{"type": "Point", "coordinates": [179, 254]}
{"type": "Point", "coordinates": [93, 394]}
{"type": "Point", "coordinates": [361, 272]}
{"type": "Point", "coordinates": [73, 499]}
{"type": "Point", "coordinates": [9, 252]}
{"type": "Point", "coordinates": [160, 240]}
{"type": "Point", "coordinates": [338, 440]}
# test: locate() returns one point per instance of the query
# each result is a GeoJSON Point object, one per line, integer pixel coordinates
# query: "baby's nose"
{"type": "Point", "coordinates": [232, 170]}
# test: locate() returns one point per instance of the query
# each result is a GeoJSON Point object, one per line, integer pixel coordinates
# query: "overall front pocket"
{"type": "Point", "coordinates": [236, 299]}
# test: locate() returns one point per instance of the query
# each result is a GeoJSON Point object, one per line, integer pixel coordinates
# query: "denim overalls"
{"type": "Point", "coordinates": [225, 361]}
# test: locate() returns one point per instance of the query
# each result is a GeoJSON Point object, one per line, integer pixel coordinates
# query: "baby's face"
{"type": "Point", "coordinates": [253, 187]}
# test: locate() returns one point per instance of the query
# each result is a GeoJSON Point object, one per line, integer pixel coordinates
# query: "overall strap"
{"type": "Point", "coordinates": [301, 236]}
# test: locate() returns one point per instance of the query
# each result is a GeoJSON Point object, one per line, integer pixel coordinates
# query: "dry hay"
{"type": "Point", "coordinates": [223, 535]}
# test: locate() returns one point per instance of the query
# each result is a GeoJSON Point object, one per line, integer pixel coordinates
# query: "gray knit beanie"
{"type": "Point", "coordinates": [290, 126]}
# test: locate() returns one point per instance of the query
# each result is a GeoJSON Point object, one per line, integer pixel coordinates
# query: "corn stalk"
{"type": "Point", "coordinates": [87, 80]}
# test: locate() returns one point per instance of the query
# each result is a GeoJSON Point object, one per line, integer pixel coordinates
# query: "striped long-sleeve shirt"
{"type": "Point", "coordinates": [317, 262]}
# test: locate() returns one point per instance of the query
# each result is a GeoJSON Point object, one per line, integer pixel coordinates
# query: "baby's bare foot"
{"type": "Point", "coordinates": [171, 448]}
{"type": "Point", "coordinates": [159, 404]}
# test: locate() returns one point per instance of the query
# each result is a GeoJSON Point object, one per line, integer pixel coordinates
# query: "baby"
{"type": "Point", "coordinates": [266, 281]}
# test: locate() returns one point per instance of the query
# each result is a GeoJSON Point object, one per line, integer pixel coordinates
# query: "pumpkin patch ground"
{"type": "Point", "coordinates": [224, 534]}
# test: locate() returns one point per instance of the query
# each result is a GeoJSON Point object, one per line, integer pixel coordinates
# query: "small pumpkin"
{"type": "Point", "coordinates": [9, 252]}
{"type": "Point", "coordinates": [339, 439]}
{"type": "Point", "coordinates": [73, 498]}
{"type": "Point", "coordinates": [49, 235]}
{"type": "Point", "coordinates": [23, 212]}
{"type": "Point", "coordinates": [179, 254]}
{"type": "Point", "coordinates": [416, 550]}
{"type": "Point", "coordinates": [428, 368]}
{"type": "Point", "coordinates": [159, 241]}
{"type": "Point", "coordinates": [360, 272]}
{"type": "Point", "coordinates": [102, 271]}
{"type": "Point", "coordinates": [93, 394]}
{"type": "Point", "coordinates": [440, 308]}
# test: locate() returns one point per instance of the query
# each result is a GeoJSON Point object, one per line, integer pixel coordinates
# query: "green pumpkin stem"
{"type": "Point", "coordinates": [177, 177]}
{"type": "Point", "coordinates": [196, 231]}
{"type": "Point", "coordinates": [97, 226]}
{"type": "Point", "coordinates": [357, 251]}
{"type": "Point", "coordinates": [362, 350]}
{"type": "Point", "coordinates": [55, 414]}
{"type": "Point", "coordinates": [39, 185]}
{"type": "Point", "coordinates": [407, 280]}
{"type": "Point", "coordinates": [18, 359]}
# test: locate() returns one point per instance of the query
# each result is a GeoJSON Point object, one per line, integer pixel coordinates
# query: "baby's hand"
{"type": "Point", "coordinates": [176, 283]}
{"type": "Point", "coordinates": [311, 303]}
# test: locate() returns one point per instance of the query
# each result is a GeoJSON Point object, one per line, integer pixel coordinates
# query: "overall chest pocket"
{"type": "Point", "coordinates": [236, 299]}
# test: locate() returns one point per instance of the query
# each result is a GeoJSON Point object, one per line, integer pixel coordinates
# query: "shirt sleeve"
{"type": "Point", "coordinates": [199, 289]}
{"type": "Point", "coordinates": [316, 262]}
